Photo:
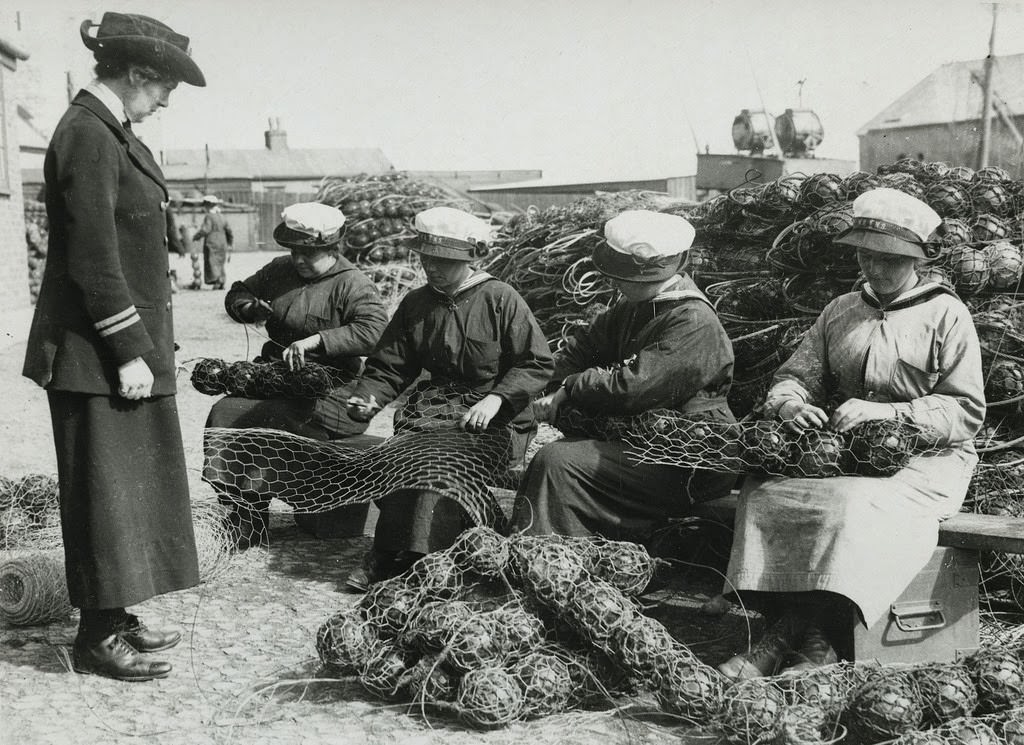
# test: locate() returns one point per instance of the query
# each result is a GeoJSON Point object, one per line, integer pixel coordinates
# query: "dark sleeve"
{"type": "Point", "coordinates": [173, 239]}
{"type": "Point", "coordinates": [363, 318]}
{"type": "Point", "coordinates": [523, 342]}
{"type": "Point", "coordinates": [691, 354]}
{"type": "Point", "coordinates": [587, 347]}
{"type": "Point", "coordinates": [242, 293]}
{"type": "Point", "coordinates": [394, 365]}
{"type": "Point", "coordinates": [205, 229]}
{"type": "Point", "coordinates": [88, 181]}
{"type": "Point", "coordinates": [228, 234]}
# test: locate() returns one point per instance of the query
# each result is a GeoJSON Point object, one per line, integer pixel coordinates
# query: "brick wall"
{"type": "Point", "coordinates": [14, 292]}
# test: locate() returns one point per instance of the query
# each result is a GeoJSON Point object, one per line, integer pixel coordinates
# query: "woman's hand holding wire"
{"type": "Point", "coordinates": [481, 413]}
{"type": "Point", "coordinates": [258, 310]}
{"type": "Point", "coordinates": [361, 409]}
{"type": "Point", "coordinates": [799, 415]}
{"type": "Point", "coordinates": [856, 411]}
{"type": "Point", "coordinates": [545, 408]}
{"type": "Point", "coordinates": [295, 353]}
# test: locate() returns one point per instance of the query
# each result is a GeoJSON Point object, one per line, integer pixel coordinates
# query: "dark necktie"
{"type": "Point", "coordinates": [127, 125]}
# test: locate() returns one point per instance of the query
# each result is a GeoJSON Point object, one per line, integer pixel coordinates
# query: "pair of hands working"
{"type": "Point", "coordinates": [476, 420]}
{"type": "Point", "coordinates": [799, 415]}
{"type": "Point", "coordinates": [294, 355]}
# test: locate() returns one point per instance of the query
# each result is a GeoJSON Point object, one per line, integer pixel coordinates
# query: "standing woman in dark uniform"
{"type": "Point", "coordinates": [102, 346]}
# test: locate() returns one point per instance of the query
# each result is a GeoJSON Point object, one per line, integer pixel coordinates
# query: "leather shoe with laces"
{"type": "Point", "coordinates": [144, 639]}
{"type": "Point", "coordinates": [767, 656]}
{"type": "Point", "coordinates": [113, 657]}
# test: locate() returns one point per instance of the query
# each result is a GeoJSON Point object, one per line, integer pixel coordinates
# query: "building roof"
{"type": "Point", "coordinates": [953, 93]}
{"type": "Point", "coordinates": [555, 186]}
{"type": "Point", "coordinates": [282, 164]}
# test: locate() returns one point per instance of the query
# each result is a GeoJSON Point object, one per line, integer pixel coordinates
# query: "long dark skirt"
{"type": "Point", "coordinates": [580, 487]}
{"type": "Point", "coordinates": [213, 264]}
{"type": "Point", "coordinates": [124, 499]}
{"type": "Point", "coordinates": [419, 520]}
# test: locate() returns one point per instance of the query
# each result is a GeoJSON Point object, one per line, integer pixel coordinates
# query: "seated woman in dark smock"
{"type": "Point", "coordinates": [660, 346]}
{"type": "Point", "coordinates": [316, 306]}
{"type": "Point", "coordinates": [817, 555]}
{"type": "Point", "coordinates": [486, 358]}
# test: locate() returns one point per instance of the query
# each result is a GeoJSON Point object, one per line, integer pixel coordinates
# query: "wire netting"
{"type": "Point", "coordinates": [427, 452]}
{"type": "Point", "coordinates": [215, 377]}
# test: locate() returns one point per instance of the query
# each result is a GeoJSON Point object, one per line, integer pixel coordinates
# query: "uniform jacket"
{"type": "Point", "coordinates": [920, 353]}
{"type": "Point", "coordinates": [670, 352]}
{"type": "Point", "coordinates": [105, 298]}
{"type": "Point", "coordinates": [484, 337]}
{"type": "Point", "coordinates": [343, 306]}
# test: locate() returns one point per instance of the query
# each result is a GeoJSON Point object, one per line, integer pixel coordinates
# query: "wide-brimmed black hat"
{"type": "Point", "coordinates": [145, 40]}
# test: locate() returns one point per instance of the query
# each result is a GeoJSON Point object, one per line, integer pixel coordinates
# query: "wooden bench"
{"type": "Point", "coordinates": [936, 618]}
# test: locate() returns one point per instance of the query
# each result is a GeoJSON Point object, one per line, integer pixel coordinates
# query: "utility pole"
{"type": "Point", "coordinates": [986, 105]}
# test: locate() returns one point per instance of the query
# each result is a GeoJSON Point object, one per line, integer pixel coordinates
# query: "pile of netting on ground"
{"type": "Point", "coordinates": [33, 588]}
{"type": "Point", "coordinates": [997, 488]}
{"type": "Point", "coordinates": [545, 255]}
{"type": "Point", "coordinates": [427, 452]}
{"type": "Point", "coordinates": [663, 436]}
{"type": "Point", "coordinates": [379, 211]}
{"type": "Point", "coordinates": [496, 630]}
{"type": "Point", "coordinates": [394, 280]}
{"type": "Point", "coordinates": [215, 377]}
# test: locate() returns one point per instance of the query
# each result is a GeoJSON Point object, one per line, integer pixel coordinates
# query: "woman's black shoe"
{"type": "Point", "coordinates": [113, 657]}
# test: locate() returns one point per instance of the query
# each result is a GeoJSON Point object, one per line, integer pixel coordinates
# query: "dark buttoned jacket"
{"type": "Point", "coordinates": [105, 298]}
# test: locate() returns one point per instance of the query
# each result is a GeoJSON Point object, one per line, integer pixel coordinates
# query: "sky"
{"type": "Point", "coordinates": [582, 89]}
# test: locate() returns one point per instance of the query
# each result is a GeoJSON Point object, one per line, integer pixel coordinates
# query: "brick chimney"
{"type": "Point", "coordinates": [275, 137]}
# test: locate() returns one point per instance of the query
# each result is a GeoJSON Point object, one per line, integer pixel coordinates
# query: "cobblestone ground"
{"type": "Point", "coordinates": [246, 671]}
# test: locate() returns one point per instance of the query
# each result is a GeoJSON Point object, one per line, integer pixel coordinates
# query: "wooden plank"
{"type": "Point", "coordinates": [963, 530]}
{"type": "Point", "coordinates": [983, 533]}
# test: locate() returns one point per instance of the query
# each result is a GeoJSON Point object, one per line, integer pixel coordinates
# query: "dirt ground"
{"type": "Point", "coordinates": [247, 669]}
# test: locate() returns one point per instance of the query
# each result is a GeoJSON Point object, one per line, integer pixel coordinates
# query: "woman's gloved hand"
{"type": "Point", "coordinates": [135, 380]}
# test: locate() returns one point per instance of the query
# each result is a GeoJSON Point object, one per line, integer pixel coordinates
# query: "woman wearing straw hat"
{"type": "Point", "coordinates": [316, 306]}
{"type": "Point", "coordinates": [102, 346]}
{"type": "Point", "coordinates": [819, 555]}
{"type": "Point", "coordinates": [660, 346]}
{"type": "Point", "coordinates": [486, 357]}
{"type": "Point", "coordinates": [217, 241]}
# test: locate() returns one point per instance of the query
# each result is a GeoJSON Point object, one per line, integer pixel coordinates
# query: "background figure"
{"type": "Point", "coordinates": [102, 346]}
{"type": "Point", "coordinates": [317, 307]}
{"type": "Point", "coordinates": [486, 357]}
{"type": "Point", "coordinates": [217, 241]}
{"type": "Point", "coordinates": [660, 345]}
{"type": "Point", "coordinates": [814, 554]}
{"type": "Point", "coordinates": [174, 246]}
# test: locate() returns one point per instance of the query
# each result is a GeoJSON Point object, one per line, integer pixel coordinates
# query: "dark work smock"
{"type": "Point", "coordinates": [670, 352]}
{"type": "Point", "coordinates": [343, 306]}
{"type": "Point", "coordinates": [482, 339]}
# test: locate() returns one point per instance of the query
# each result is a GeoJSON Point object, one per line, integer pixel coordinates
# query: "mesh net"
{"type": "Point", "coordinates": [32, 587]}
{"type": "Point", "coordinates": [879, 448]}
{"type": "Point", "coordinates": [266, 379]}
{"type": "Point", "coordinates": [427, 452]}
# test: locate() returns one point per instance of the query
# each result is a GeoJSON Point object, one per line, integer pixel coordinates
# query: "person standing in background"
{"type": "Point", "coordinates": [102, 346]}
{"type": "Point", "coordinates": [217, 241]}
{"type": "Point", "coordinates": [174, 245]}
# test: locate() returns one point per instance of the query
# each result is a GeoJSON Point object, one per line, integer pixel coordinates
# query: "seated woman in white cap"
{"type": "Point", "coordinates": [484, 351]}
{"type": "Point", "coordinates": [819, 554]}
{"type": "Point", "coordinates": [319, 307]}
{"type": "Point", "coordinates": [217, 238]}
{"type": "Point", "coordinates": [660, 346]}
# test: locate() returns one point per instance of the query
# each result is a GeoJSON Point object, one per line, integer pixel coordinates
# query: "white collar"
{"type": "Point", "coordinates": [109, 99]}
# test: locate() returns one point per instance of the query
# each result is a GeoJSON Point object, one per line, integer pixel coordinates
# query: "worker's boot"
{"type": "Point", "coordinates": [814, 651]}
{"type": "Point", "coordinates": [767, 656]}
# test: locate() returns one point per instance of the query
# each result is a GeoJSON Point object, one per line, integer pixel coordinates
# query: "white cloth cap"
{"type": "Point", "coordinates": [313, 218]}
{"type": "Point", "coordinates": [897, 208]}
{"type": "Point", "coordinates": [647, 235]}
{"type": "Point", "coordinates": [448, 233]}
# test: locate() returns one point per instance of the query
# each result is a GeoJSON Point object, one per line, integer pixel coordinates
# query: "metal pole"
{"type": "Point", "coordinates": [986, 105]}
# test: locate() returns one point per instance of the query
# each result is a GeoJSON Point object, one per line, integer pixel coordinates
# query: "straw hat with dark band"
{"type": "Point", "coordinates": [144, 40]}
{"type": "Point", "coordinates": [892, 222]}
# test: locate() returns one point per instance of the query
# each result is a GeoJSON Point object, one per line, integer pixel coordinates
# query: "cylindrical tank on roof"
{"type": "Point", "coordinates": [799, 131]}
{"type": "Point", "coordinates": [752, 130]}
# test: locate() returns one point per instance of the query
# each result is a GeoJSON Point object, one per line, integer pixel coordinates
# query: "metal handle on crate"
{"type": "Point", "coordinates": [931, 609]}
